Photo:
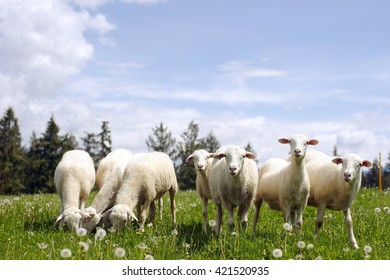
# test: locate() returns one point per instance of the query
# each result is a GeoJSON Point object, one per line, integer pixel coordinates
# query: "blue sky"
{"type": "Point", "coordinates": [250, 71]}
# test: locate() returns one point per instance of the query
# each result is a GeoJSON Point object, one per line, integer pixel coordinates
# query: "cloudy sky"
{"type": "Point", "coordinates": [250, 71]}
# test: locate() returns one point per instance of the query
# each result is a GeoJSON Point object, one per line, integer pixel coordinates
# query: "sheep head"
{"type": "Point", "coordinates": [235, 157]}
{"type": "Point", "coordinates": [199, 157]}
{"type": "Point", "coordinates": [298, 145]}
{"type": "Point", "coordinates": [71, 218]}
{"type": "Point", "coordinates": [351, 166]}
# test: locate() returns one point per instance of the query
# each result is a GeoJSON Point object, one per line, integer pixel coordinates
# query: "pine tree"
{"type": "Point", "coordinates": [162, 140]}
{"type": "Point", "coordinates": [105, 140]}
{"type": "Point", "coordinates": [186, 174]}
{"type": "Point", "coordinates": [92, 146]}
{"type": "Point", "coordinates": [12, 157]}
{"type": "Point", "coordinates": [210, 143]}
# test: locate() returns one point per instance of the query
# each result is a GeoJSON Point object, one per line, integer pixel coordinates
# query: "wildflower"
{"type": "Point", "coordinates": [299, 257]}
{"type": "Point", "coordinates": [81, 232]}
{"type": "Point", "coordinates": [149, 257]}
{"type": "Point", "coordinates": [66, 253]}
{"type": "Point", "coordinates": [42, 246]}
{"type": "Point", "coordinates": [377, 210]}
{"type": "Point", "coordinates": [142, 246]}
{"type": "Point", "coordinates": [346, 249]}
{"type": "Point", "coordinates": [212, 223]}
{"type": "Point", "coordinates": [83, 246]}
{"type": "Point", "coordinates": [367, 249]}
{"type": "Point", "coordinates": [149, 225]}
{"type": "Point", "coordinates": [319, 258]}
{"type": "Point", "coordinates": [386, 209]}
{"type": "Point", "coordinates": [310, 246]}
{"type": "Point", "coordinates": [277, 253]}
{"type": "Point", "coordinates": [301, 244]}
{"type": "Point", "coordinates": [234, 233]}
{"type": "Point", "coordinates": [120, 252]}
{"type": "Point", "coordinates": [287, 226]}
{"type": "Point", "coordinates": [100, 234]}
{"type": "Point", "coordinates": [174, 232]}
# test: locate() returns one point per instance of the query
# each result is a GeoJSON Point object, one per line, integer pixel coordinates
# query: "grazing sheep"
{"type": "Point", "coordinates": [202, 163]}
{"type": "Point", "coordinates": [335, 183]}
{"type": "Point", "coordinates": [106, 196]}
{"type": "Point", "coordinates": [284, 185]}
{"type": "Point", "coordinates": [74, 178]}
{"type": "Point", "coordinates": [233, 181]}
{"type": "Point", "coordinates": [106, 164]}
{"type": "Point", "coordinates": [147, 177]}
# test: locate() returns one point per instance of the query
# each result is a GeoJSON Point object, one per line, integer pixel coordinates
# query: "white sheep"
{"type": "Point", "coordinates": [74, 178]}
{"type": "Point", "coordinates": [106, 196]}
{"type": "Point", "coordinates": [284, 185]}
{"type": "Point", "coordinates": [147, 177]}
{"type": "Point", "coordinates": [202, 160]}
{"type": "Point", "coordinates": [232, 182]}
{"type": "Point", "coordinates": [335, 183]}
{"type": "Point", "coordinates": [106, 164]}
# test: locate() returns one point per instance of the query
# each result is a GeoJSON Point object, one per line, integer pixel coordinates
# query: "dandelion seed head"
{"type": "Point", "coordinates": [367, 249]}
{"type": "Point", "coordinates": [212, 223]}
{"type": "Point", "coordinates": [299, 257]}
{"type": "Point", "coordinates": [174, 232]}
{"type": "Point", "coordinates": [287, 226]}
{"type": "Point", "coordinates": [42, 246]}
{"type": "Point", "coordinates": [277, 253]}
{"type": "Point", "coordinates": [100, 234]}
{"type": "Point", "coordinates": [234, 233]}
{"type": "Point", "coordinates": [83, 246]}
{"type": "Point", "coordinates": [310, 246]}
{"type": "Point", "coordinates": [142, 246]}
{"type": "Point", "coordinates": [66, 253]}
{"type": "Point", "coordinates": [301, 244]}
{"type": "Point", "coordinates": [346, 249]}
{"type": "Point", "coordinates": [81, 232]}
{"type": "Point", "coordinates": [377, 210]}
{"type": "Point", "coordinates": [149, 257]}
{"type": "Point", "coordinates": [120, 252]}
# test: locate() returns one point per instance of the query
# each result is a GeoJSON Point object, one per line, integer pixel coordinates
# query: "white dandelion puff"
{"type": "Point", "coordinates": [174, 232]}
{"type": "Point", "coordinates": [277, 253]}
{"type": "Point", "coordinates": [212, 223]}
{"type": "Point", "coordinates": [81, 232]}
{"type": "Point", "coordinates": [301, 244]}
{"type": "Point", "coordinates": [42, 246]}
{"type": "Point", "coordinates": [377, 210]}
{"type": "Point", "coordinates": [120, 252]}
{"type": "Point", "coordinates": [287, 226]}
{"type": "Point", "coordinates": [66, 253]}
{"type": "Point", "coordinates": [310, 246]}
{"type": "Point", "coordinates": [367, 249]}
{"type": "Point", "coordinates": [149, 257]}
{"type": "Point", "coordinates": [142, 246]}
{"type": "Point", "coordinates": [346, 249]}
{"type": "Point", "coordinates": [100, 234]}
{"type": "Point", "coordinates": [83, 246]}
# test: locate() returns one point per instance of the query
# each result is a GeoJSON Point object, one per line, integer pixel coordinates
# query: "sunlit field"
{"type": "Point", "coordinates": [27, 233]}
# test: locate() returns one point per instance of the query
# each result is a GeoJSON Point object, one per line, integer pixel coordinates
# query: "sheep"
{"type": "Point", "coordinates": [106, 164]}
{"type": "Point", "coordinates": [106, 196]}
{"type": "Point", "coordinates": [284, 185]}
{"type": "Point", "coordinates": [335, 183]}
{"type": "Point", "coordinates": [202, 160]}
{"type": "Point", "coordinates": [74, 178]}
{"type": "Point", "coordinates": [232, 182]}
{"type": "Point", "coordinates": [147, 177]}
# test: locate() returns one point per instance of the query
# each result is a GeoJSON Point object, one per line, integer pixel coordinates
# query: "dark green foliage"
{"type": "Point", "coordinates": [12, 156]}
{"type": "Point", "coordinates": [162, 140]}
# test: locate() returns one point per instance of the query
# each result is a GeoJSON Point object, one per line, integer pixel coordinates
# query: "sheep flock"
{"type": "Point", "coordinates": [128, 186]}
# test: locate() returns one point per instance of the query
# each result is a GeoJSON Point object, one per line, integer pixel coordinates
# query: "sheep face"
{"type": "Point", "coordinates": [90, 219]}
{"type": "Point", "coordinates": [71, 217]}
{"type": "Point", "coordinates": [351, 166]}
{"type": "Point", "coordinates": [199, 157]}
{"type": "Point", "coordinates": [298, 145]}
{"type": "Point", "coordinates": [235, 157]}
{"type": "Point", "coordinates": [119, 216]}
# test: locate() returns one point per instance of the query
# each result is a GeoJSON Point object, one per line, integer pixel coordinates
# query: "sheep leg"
{"type": "Point", "coordinates": [172, 193]}
{"type": "Point", "coordinates": [160, 207]}
{"type": "Point", "coordinates": [142, 216]}
{"type": "Point", "coordinates": [257, 214]}
{"type": "Point", "coordinates": [243, 214]}
{"type": "Point", "coordinates": [230, 211]}
{"type": "Point", "coordinates": [152, 212]}
{"type": "Point", "coordinates": [205, 214]}
{"type": "Point", "coordinates": [218, 218]}
{"type": "Point", "coordinates": [348, 224]}
{"type": "Point", "coordinates": [320, 217]}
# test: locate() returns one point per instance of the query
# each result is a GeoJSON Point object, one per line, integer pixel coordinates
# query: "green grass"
{"type": "Point", "coordinates": [27, 232]}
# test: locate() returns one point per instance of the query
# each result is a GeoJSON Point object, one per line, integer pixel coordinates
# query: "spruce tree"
{"type": "Point", "coordinates": [105, 140]}
{"type": "Point", "coordinates": [162, 140]}
{"type": "Point", "coordinates": [210, 143]}
{"type": "Point", "coordinates": [12, 156]}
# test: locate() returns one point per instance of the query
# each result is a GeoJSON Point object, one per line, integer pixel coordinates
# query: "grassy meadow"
{"type": "Point", "coordinates": [27, 233]}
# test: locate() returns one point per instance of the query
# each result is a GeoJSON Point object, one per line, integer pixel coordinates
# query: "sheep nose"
{"type": "Point", "coordinates": [297, 151]}
{"type": "Point", "coordinates": [200, 166]}
{"type": "Point", "coordinates": [347, 176]}
{"type": "Point", "coordinates": [232, 168]}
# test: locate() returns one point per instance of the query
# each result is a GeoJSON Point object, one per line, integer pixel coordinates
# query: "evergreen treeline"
{"type": "Point", "coordinates": [31, 170]}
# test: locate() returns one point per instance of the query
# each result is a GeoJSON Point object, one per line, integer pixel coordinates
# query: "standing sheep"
{"type": "Point", "coordinates": [106, 164]}
{"type": "Point", "coordinates": [284, 185]}
{"type": "Point", "coordinates": [335, 183]}
{"type": "Point", "coordinates": [74, 178]}
{"type": "Point", "coordinates": [233, 181]}
{"type": "Point", "coordinates": [147, 177]}
{"type": "Point", "coordinates": [202, 163]}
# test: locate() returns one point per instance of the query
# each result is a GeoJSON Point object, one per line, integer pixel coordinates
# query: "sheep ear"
{"type": "Point", "coordinates": [131, 214]}
{"type": "Point", "coordinates": [107, 213]}
{"type": "Point", "coordinates": [219, 156]}
{"type": "Point", "coordinates": [210, 155]}
{"type": "Point", "coordinates": [190, 157]}
{"type": "Point", "coordinates": [337, 160]}
{"type": "Point", "coordinates": [85, 214]}
{"type": "Point", "coordinates": [284, 140]}
{"type": "Point", "coordinates": [250, 155]}
{"type": "Point", "coordinates": [59, 219]}
{"type": "Point", "coordinates": [313, 142]}
{"type": "Point", "coordinates": [366, 163]}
